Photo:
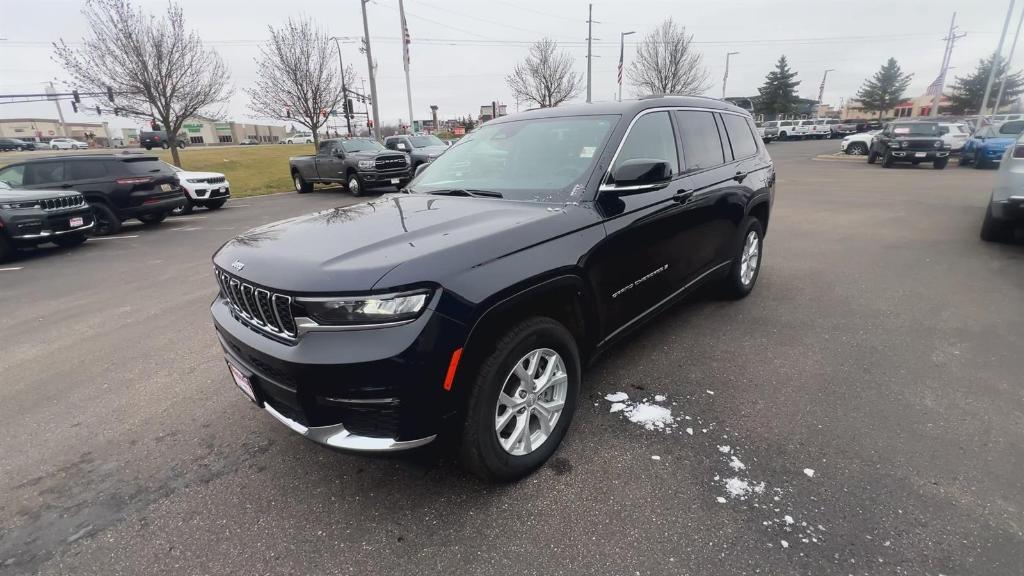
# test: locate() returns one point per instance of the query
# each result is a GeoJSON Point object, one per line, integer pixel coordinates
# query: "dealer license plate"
{"type": "Point", "coordinates": [166, 187]}
{"type": "Point", "coordinates": [395, 180]}
{"type": "Point", "coordinates": [242, 381]}
{"type": "Point", "coordinates": [76, 222]}
{"type": "Point", "coordinates": [920, 154]}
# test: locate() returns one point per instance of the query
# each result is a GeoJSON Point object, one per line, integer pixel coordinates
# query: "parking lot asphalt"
{"type": "Point", "coordinates": [862, 412]}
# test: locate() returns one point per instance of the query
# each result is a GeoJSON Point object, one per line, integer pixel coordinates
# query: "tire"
{"type": "Point", "coordinates": [940, 163]}
{"type": "Point", "coordinates": [301, 186]}
{"type": "Point", "coordinates": [872, 156]}
{"type": "Point", "coordinates": [979, 163]}
{"type": "Point", "coordinates": [186, 208]}
{"type": "Point", "coordinates": [7, 250]}
{"type": "Point", "coordinates": [857, 149]}
{"type": "Point", "coordinates": [18, 148]}
{"type": "Point", "coordinates": [152, 219]}
{"type": "Point", "coordinates": [54, 147]}
{"type": "Point", "coordinates": [70, 240]}
{"type": "Point", "coordinates": [992, 230]}
{"type": "Point", "coordinates": [482, 451]}
{"type": "Point", "coordinates": [887, 160]}
{"type": "Point", "coordinates": [216, 204]}
{"type": "Point", "coordinates": [783, 136]}
{"type": "Point", "coordinates": [355, 185]}
{"type": "Point", "coordinates": [962, 160]}
{"type": "Point", "coordinates": [107, 222]}
{"type": "Point", "coordinates": [148, 147]}
{"type": "Point", "coordinates": [742, 275]}
{"type": "Point", "coordinates": [180, 145]}
{"type": "Point", "coordinates": [164, 146]}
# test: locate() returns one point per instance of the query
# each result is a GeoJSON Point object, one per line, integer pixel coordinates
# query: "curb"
{"type": "Point", "coordinates": [841, 157]}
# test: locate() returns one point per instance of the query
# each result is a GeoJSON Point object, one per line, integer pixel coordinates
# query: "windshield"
{"type": "Point", "coordinates": [538, 160]}
{"type": "Point", "coordinates": [1011, 128]}
{"type": "Point", "coordinates": [365, 145]}
{"type": "Point", "coordinates": [423, 141]}
{"type": "Point", "coordinates": [916, 129]}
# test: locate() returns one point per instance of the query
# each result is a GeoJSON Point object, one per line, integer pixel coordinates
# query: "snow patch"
{"type": "Point", "coordinates": [788, 519]}
{"type": "Point", "coordinates": [689, 431]}
{"type": "Point", "coordinates": [650, 416]}
{"type": "Point", "coordinates": [659, 398]}
{"type": "Point", "coordinates": [655, 457]}
{"type": "Point", "coordinates": [617, 406]}
{"type": "Point", "coordinates": [736, 465]}
{"type": "Point", "coordinates": [809, 472]}
{"type": "Point", "coordinates": [617, 397]}
{"type": "Point", "coordinates": [724, 449]}
{"type": "Point", "coordinates": [784, 543]}
{"type": "Point", "coordinates": [721, 500]}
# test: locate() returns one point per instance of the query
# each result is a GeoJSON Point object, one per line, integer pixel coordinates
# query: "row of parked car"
{"type": "Point", "coordinates": [17, 145]}
{"type": "Point", "coordinates": [65, 199]}
{"type": "Point", "coordinates": [980, 148]}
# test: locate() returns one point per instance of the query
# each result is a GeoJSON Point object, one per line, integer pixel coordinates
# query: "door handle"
{"type": "Point", "coordinates": [66, 185]}
{"type": "Point", "coordinates": [683, 196]}
{"type": "Point", "coordinates": [740, 176]}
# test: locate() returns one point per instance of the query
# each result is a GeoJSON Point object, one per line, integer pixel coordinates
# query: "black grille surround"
{"type": "Point", "coordinates": [390, 162]}
{"type": "Point", "coordinates": [62, 203]}
{"type": "Point", "coordinates": [259, 308]}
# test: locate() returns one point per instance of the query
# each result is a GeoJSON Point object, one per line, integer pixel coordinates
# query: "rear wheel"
{"type": "Point", "coordinates": [152, 219]}
{"type": "Point", "coordinates": [148, 147]}
{"type": "Point", "coordinates": [962, 160]}
{"type": "Point", "coordinates": [980, 163]}
{"type": "Point", "coordinates": [872, 157]}
{"type": "Point", "coordinates": [107, 222]}
{"type": "Point", "coordinates": [523, 400]}
{"type": "Point", "coordinates": [69, 240]}
{"type": "Point", "coordinates": [216, 204]}
{"type": "Point", "coordinates": [164, 146]}
{"type": "Point", "coordinates": [301, 186]}
{"type": "Point", "coordinates": [857, 149]}
{"type": "Point", "coordinates": [992, 230]}
{"type": "Point", "coordinates": [7, 250]}
{"type": "Point", "coordinates": [355, 185]}
{"type": "Point", "coordinates": [185, 208]}
{"type": "Point", "coordinates": [887, 160]}
{"type": "Point", "coordinates": [746, 263]}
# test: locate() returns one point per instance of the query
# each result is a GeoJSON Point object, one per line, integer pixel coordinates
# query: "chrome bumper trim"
{"type": "Point", "coordinates": [337, 436]}
{"type": "Point", "coordinates": [48, 234]}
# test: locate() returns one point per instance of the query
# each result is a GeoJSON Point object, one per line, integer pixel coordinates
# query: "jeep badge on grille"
{"type": "Point", "coordinates": [238, 265]}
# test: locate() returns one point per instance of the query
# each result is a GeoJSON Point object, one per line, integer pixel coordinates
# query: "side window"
{"type": "Point", "coordinates": [702, 146]}
{"type": "Point", "coordinates": [391, 144]}
{"type": "Point", "coordinates": [337, 148]}
{"type": "Point", "coordinates": [651, 137]}
{"type": "Point", "coordinates": [325, 148]}
{"type": "Point", "coordinates": [85, 170]}
{"type": "Point", "coordinates": [43, 173]}
{"type": "Point", "coordinates": [13, 175]}
{"type": "Point", "coordinates": [743, 143]}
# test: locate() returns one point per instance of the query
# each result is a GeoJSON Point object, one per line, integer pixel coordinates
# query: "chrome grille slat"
{"type": "Point", "coordinates": [61, 203]}
{"type": "Point", "coordinates": [267, 311]}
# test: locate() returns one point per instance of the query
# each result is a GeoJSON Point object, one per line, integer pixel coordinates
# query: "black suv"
{"type": "Point", "coordinates": [16, 144]}
{"type": "Point", "coordinates": [158, 139]}
{"type": "Point", "coordinates": [31, 217]}
{"type": "Point", "coordinates": [359, 163]}
{"type": "Point", "coordinates": [116, 186]}
{"type": "Point", "coordinates": [475, 298]}
{"type": "Point", "coordinates": [913, 141]}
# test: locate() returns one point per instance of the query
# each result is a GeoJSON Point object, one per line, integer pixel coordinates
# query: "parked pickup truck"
{"type": "Point", "coordinates": [359, 163]}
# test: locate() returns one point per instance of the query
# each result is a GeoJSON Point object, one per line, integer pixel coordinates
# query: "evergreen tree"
{"type": "Point", "coordinates": [778, 94]}
{"type": "Point", "coordinates": [885, 89]}
{"type": "Point", "coordinates": [969, 90]}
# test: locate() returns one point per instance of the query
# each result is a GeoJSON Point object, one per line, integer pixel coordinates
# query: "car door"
{"type": "Point", "coordinates": [630, 270]}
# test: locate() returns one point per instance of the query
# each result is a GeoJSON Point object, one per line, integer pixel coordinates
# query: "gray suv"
{"type": "Point", "coordinates": [422, 149]}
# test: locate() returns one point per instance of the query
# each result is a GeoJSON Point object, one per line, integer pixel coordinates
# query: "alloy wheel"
{"type": "Point", "coordinates": [530, 402]}
{"type": "Point", "coordinates": [750, 258]}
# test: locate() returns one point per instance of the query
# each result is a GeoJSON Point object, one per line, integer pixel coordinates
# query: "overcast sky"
{"type": "Point", "coordinates": [462, 49]}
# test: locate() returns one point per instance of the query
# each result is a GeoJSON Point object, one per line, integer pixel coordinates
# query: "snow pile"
{"type": "Point", "coordinates": [617, 397]}
{"type": "Point", "coordinates": [736, 465]}
{"type": "Point", "coordinates": [809, 472]}
{"type": "Point", "coordinates": [739, 488]}
{"type": "Point", "coordinates": [650, 416]}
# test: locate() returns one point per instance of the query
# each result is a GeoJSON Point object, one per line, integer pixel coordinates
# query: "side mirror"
{"type": "Point", "coordinates": [420, 169]}
{"type": "Point", "coordinates": [640, 175]}
{"type": "Point", "coordinates": [339, 154]}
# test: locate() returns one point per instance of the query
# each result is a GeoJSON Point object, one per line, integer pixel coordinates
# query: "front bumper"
{"type": "Point", "coordinates": [199, 192]}
{"type": "Point", "coordinates": [1010, 209]}
{"type": "Point", "coordinates": [364, 390]}
{"type": "Point", "coordinates": [920, 155]}
{"type": "Point", "coordinates": [373, 178]}
{"type": "Point", "coordinates": [38, 226]}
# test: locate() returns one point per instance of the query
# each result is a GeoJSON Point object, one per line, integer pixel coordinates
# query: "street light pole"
{"type": "Point", "coordinates": [821, 90]}
{"type": "Point", "coordinates": [995, 64]}
{"type": "Point", "coordinates": [622, 55]}
{"type": "Point", "coordinates": [1009, 59]}
{"type": "Point", "coordinates": [344, 89]}
{"type": "Point", "coordinates": [725, 77]}
{"type": "Point", "coordinates": [373, 77]}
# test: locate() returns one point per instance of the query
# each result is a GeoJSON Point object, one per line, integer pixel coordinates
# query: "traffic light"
{"type": "Point", "coordinates": [78, 99]}
{"type": "Point", "coordinates": [348, 108]}
{"type": "Point", "coordinates": [110, 93]}
{"type": "Point", "coordinates": [74, 106]}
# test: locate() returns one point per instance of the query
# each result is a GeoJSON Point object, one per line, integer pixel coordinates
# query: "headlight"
{"type": "Point", "coordinates": [938, 143]}
{"type": "Point", "coordinates": [366, 164]}
{"type": "Point", "coordinates": [356, 310]}
{"type": "Point", "coordinates": [193, 181]}
{"type": "Point", "coordinates": [19, 205]}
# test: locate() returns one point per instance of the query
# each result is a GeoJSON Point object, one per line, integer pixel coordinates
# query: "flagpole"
{"type": "Point", "coordinates": [405, 57]}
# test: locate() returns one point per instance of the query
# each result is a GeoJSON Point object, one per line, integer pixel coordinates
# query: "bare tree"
{"type": "Point", "coordinates": [667, 63]}
{"type": "Point", "coordinates": [545, 77]}
{"type": "Point", "coordinates": [298, 76]}
{"type": "Point", "coordinates": [155, 68]}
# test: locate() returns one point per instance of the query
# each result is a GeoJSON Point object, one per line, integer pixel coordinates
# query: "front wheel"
{"type": "Point", "coordinates": [153, 219]}
{"type": "Point", "coordinates": [185, 208]}
{"type": "Point", "coordinates": [962, 160]}
{"type": "Point", "coordinates": [523, 400]}
{"type": "Point", "coordinates": [216, 204]}
{"type": "Point", "coordinates": [887, 159]}
{"type": "Point", "coordinates": [857, 149]}
{"type": "Point", "coordinates": [980, 163]}
{"type": "Point", "coordinates": [746, 262]}
{"type": "Point", "coordinates": [70, 240]}
{"type": "Point", "coordinates": [355, 185]}
{"type": "Point", "coordinates": [872, 157]}
{"type": "Point", "coordinates": [164, 146]}
{"type": "Point", "coordinates": [940, 163]}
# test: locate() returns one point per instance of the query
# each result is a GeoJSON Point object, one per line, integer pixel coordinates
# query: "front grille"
{"type": "Point", "coordinates": [389, 162]}
{"type": "Point", "coordinates": [213, 180]}
{"type": "Point", "coordinates": [261, 308]}
{"type": "Point", "coordinates": [62, 203]}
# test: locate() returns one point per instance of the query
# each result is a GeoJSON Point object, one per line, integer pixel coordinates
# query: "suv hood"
{"type": "Point", "coordinates": [19, 195]}
{"type": "Point", "coordinates": [351, 248]}
{"type": "Point", "coordinates": [432, 150]}
{"type": "Point", "coordinates": [996, 142]}
{"type": "Point", "coordinates": [185, 175]}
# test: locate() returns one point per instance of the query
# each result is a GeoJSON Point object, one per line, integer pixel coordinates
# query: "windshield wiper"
{"type": "Point", "coordinates": [467, 192]}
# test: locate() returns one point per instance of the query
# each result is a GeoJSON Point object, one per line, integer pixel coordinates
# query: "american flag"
{"type": "Point", "coordinates": [406, 40]}
{"type": "Point", "coordinates": [935, 88]}
{"type": "Point", "coordinates": [621, 55]}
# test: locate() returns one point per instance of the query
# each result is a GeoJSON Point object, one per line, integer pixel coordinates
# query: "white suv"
{"type": "Point", "coordinates": [208, 189]}
{"type": "Point", "coordinates": [786, 128]}
{"type": "Point", "coordinates": [300, 138]}
{"type": "Point", "coordinates": [955, 134]}
{"type": "Point", "coordinates": [67, 144]}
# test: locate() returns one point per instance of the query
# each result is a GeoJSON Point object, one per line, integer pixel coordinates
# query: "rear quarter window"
{"type": "Point", "coordinates": [147, 167]}
{"type": "Point", "coordinates": [740, 136]}
{"type": "Point", "coordinates": [85, 169]}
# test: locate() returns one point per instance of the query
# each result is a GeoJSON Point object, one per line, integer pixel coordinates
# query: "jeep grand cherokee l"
{"type": "Point", "coordinates": [472, 301]}
{"type": "Point", "coordinates": [116, 186]}
{"type": "Point", "coordinates": [31, 217]}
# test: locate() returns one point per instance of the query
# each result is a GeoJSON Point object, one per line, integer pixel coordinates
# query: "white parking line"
{"type": "Point", "coordinates": [185, 229]}
{"type": "Point", "coordinates": [11, 269]}
{"type": "Point", "coordinates": [112, 237]}
{"type": "Point", "coordinates": [185, 218]}
{"type": "Point", "coordinates": [239, 205]}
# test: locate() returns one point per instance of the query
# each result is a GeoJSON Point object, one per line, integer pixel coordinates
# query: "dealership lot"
{"type": "Point", "coordinates": [871, 383]}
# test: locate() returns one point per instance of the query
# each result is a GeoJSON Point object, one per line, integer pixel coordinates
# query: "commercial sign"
{"type": "Point", "coordinates": [193, 128]}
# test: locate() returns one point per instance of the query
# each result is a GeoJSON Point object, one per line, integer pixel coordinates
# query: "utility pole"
{"type": "Point", "coordinates": [995, 64]}
{"type": "Point", "coordinates": [344, 89]}
{"type": "Point", "coordinates": [373, 81]}
{"type": "Point", "coordinates": [60, 113]}
{"type": "Point", "coordinates": [622, 56]}
{"type": "Point", "coordinates": [821, 90]}
{"type": "Point", "coordinates": [725, 77]}
{"type": "Point", "coordinates": [590, 39]}
{"type": "Point", "coordinates": [951, 38]}
{"type": "Point", "coordinates": [405, 57]}
{"type": "Point", "coordinates": [1009, 59]}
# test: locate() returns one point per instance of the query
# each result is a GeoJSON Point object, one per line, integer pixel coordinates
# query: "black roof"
{"type": "Point", "coordinates": [625, 108]}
